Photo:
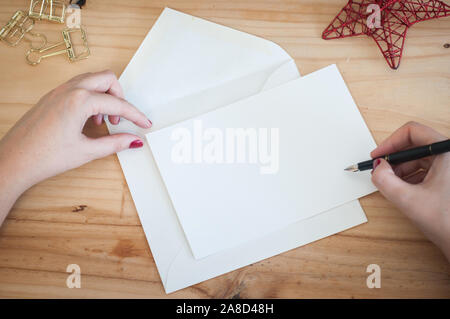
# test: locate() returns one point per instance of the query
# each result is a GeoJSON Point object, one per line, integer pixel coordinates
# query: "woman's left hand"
{"type": "Point", "coordinates": [48, 139]}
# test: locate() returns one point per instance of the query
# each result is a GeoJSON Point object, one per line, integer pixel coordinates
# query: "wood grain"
{"type": "Point", "coordinates": [86, 216]}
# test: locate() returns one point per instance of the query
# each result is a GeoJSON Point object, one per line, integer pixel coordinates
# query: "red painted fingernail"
{"type": "Point", "coordinates": [376, 163]}
{"type": "Point", "coordinates": [150, 123]}
{"type": "Point", "coordinates": [136, 144]}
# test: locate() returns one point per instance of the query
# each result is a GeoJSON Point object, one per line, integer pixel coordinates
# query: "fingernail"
{"type": "Point", "coordinates": [136, 144]}
{"type": "Point", "coordinates": [149, 123]}
{"type": "Point", "coordinates": [376, 163]}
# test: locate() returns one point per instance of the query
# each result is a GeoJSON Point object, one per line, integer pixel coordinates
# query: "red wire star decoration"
{"type": "Point", "coordinates": [396, 16]}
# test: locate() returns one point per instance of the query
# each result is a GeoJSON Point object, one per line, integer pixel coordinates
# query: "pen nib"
{"type": "Point", "coordinates": [353, 168]}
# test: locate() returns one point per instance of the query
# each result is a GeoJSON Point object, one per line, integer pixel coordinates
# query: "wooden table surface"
{"type": "Point", "coordinates": [87, 217]}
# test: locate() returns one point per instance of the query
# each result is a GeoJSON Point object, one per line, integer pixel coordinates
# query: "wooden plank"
{"type": "Point", "coordinates": [86, 216]}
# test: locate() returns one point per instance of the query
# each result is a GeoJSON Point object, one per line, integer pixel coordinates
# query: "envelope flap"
{"type": "Point", "coordinates": [183, 55]}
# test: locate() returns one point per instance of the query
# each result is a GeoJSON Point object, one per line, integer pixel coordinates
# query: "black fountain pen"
{"type": "Point", "coordinates": [405, 156]}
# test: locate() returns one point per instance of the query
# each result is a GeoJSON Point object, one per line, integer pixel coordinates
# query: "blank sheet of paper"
{"type": "Point", "coordinates": [314, 130]}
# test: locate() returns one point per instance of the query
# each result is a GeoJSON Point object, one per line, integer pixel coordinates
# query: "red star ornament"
{"type": "Point", "coordinates": [395, 17]}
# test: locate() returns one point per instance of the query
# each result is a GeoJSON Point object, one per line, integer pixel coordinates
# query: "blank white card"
{"type": "Point", "coordinates": [255, 166]}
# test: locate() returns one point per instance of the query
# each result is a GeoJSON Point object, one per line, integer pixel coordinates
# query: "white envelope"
{"type": "Point", "coordinates": [187, 66]}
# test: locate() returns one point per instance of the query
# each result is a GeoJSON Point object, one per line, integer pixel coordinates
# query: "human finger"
{"type": "Point", "coordinates": [102, 82]}
{"type": "Point", "coordinates": [100, 103]}
{"type": "Point", "coordinates": [405, 169]}
{"type": "Point", "coordinates": [390, 185]}
{"type": "Point", "coordinates": [409, 135]}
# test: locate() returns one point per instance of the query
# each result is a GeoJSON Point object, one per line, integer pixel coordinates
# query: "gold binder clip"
{"type": "Point", "coordinates": [46, 9]}
{"type": "Point", "coordinates": [16, 29]}
{"type": "Point", "coordinates": [69, 49]}
{"type": "Point", "coordinates": [13, 32]}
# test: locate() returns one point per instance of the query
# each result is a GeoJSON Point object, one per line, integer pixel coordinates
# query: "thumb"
{"type": "Point", "coordinates": [390, 185]}
{"type": "Point", "coordinates": [107, 145]}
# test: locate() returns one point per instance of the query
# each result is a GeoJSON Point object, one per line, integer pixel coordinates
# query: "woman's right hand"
{"type": "Point", "coordinates": [421, 188]}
